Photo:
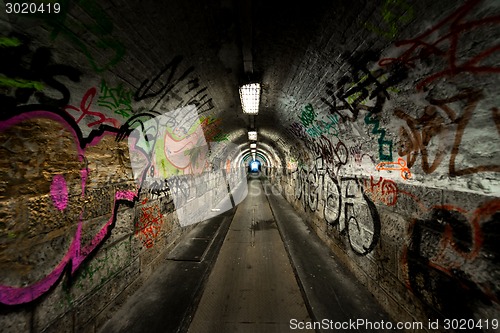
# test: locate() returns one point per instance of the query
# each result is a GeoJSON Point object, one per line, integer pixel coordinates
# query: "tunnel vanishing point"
{"type": "Point", "coordinates": [121, 128]}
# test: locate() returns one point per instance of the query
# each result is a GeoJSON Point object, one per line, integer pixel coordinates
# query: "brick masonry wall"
{"type": "Point", "coordinates": [79, 228]}
{"type": "Point", "coordinates": [389, 136]}
{"type": "Point", "coordinates": [398, 160]}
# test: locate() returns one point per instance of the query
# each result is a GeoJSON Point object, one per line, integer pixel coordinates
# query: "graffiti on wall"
{"type": "Point", "coordinates": [450, 258]}
{"type": "Point", "coordinates": [212, 130]}
{"type": "Point", "coordinates": [83, 111]}
{"type": "Point", "coordinates": [78, 250]}
{"type": "Point", "coordinates": [116, 99]}
{"type": "Point", "coordinates": [442, 42]}
{"type": "Point", "coordinates": [366, 90]}
{"type": "Point", "coordinates": [395, 14]}
{"type": "Point", "coordinates": [346, 205]}
{"type": "Point", "coordinates": [316, 127]}
{"type": "Point", "coordinates": [400, 166]}
{"type": "Point", "coordinates": [439, 120]}
{"type": "Point", "coordinates": [28, 74]}
{"type": "Point", "coordinates": [383, 190]}
{"type": "Point", "coordinates": [175, 85]}
{"type": "Point", "coordinates": [149, 223]}
{"type": "Point", "coordinates": [84, 242]}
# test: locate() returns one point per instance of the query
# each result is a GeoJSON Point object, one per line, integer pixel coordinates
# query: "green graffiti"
{"type": "Point", "coordinates": [116, 99]}
{"type": "Point", "coordinates": [308, 115]}
{"type": "Point", "coordinates": [20, 83]}
{"type": "Point", "coordinates": [102, 27]}
{"type": "Point", "coordinates": [221, 137]}
{"type": "Point", "coordinates": [392, 20]}
{"type": "Point", "coordinates": [9, 42]}
{"type": "Point", "coordinates": [381, 140]}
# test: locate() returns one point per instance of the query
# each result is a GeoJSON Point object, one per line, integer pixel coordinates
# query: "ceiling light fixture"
{"type": "Point", "coordinates": [252, 135]}
{"type": "Point", "coordinates": [250, 96]}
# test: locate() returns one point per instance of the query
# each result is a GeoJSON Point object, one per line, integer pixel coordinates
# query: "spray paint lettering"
{"type": "Point", "coordinates": [316, 127]}
{"type": "Point", "coordinates": [361, 86]}
{"type": "Point", "coordinates": [442, 40]}
{"type": "Point", "coordinates": [149, 224]}
{"type": "Point", "coordinates": [324, 127]}
{"type": "Point", "coordinates": [385, 190]}
{"type": "Point", "coordinates": [357, 154]}
{"type": "Point", "coordinates": [346, 206]}
{"type": "Point", "coordinates": [116, 99]}
{"type": "Point", "coordinates": [400, 165]}
{"type": "Point", "coordinates": [419, 132]}
{"type": "Point", "coordinates": [448, 246]}
{"type": "Point", "coordinates": [85, 111]}
{"type": "Point", "coordinates": [308, 115]}
{"type": "Point", "coordinates": [167, 74]}
{"type": "Point", "coordinates": [384, 146]}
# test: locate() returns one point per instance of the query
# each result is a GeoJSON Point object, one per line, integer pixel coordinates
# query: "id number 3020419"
{"type": "Point", "coordinates": [32, 8]}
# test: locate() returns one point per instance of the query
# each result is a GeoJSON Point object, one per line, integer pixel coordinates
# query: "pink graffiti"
{"type": "Point", "coordinates": [76, 253]}
{"type": "Point", "coordinates": [59, 192]}
{"type": "Point", "coordinates": [73, 259]}
{"type": "Point", "coordinates": [125, 195]}
{"type": "Point", "coordinates": [187, 153]}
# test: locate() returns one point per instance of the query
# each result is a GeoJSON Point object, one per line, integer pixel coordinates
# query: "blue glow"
{"type": "Point", "coordinates": [254, 166]}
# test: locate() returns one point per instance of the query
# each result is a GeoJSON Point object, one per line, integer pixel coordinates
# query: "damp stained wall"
{"type": "Point", "coordinates": [89, 204]}
{"type": "Point", "coordinates": [385, 138]}
{"type": "Point", "coordinates": [398, 158]}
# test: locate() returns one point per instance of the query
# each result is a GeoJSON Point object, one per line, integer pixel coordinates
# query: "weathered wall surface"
{"type": "Point", "coordinates": [80, 229]}
{"type": "Point", "coordinates": [398, 168]}
{"type": "Point", "coordinates": [389, 130]}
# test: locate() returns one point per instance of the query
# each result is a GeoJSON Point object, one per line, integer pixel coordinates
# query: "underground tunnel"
{"type": "Point", "coordinates": [172, 166]}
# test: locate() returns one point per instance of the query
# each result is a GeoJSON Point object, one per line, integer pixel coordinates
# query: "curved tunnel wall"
{"type": "Point", "coordinates": [396, 167]}
{"type": "Point", "coordinates": [80, 230]}
{"type": "Point", "coordinates": [399, 161]}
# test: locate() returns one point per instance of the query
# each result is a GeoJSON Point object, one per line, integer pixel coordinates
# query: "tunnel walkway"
{"type": "Point", "coordinates": [252, 287]}
{"type": "Point", "coordinates": [257, 268]}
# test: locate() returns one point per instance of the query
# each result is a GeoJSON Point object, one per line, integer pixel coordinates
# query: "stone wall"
{"type": "Point", "coordinates": [86, 212]}
{"type": "Point", "coordinates": [398, 165]}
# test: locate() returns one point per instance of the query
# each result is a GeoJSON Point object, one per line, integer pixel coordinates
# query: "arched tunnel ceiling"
{"type": "Point", "coordinates": [206, 40]}
{"type": "Point", "coordinates": [380, 122]}
{"type": "Point", "coordinates": [174, 53]}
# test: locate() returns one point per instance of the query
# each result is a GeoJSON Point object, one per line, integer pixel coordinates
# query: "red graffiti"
{"type": "Point", "coordinates": [84, 108]}
{"type": "Point", "coordinates": [443, 40]}
{"type": "Point", "coordinates": [211, 129]}
{"type": "Point", "coordinates": [453, 241]}
{"type": "Point", "coordinates": [418, 133]}
{"type": "Point", "coordinates": [385, 190]}
{"type": "Point", "coordinates": [149, 225]}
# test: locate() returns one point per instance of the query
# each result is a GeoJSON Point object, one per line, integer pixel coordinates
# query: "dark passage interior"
{"type": "Point", "coordinates": [263, 161]}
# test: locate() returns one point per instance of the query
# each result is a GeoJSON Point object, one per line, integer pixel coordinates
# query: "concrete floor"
{"type": "Point", "coordinates": [252, 287]}
{"type": "Point", "coordinates": [251, 269]}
